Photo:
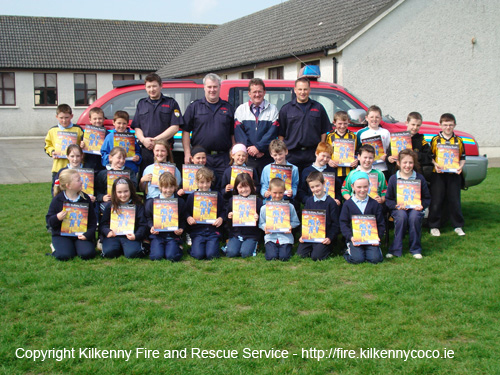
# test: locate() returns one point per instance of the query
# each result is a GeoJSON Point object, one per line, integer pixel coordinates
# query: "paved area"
{"type": "Point", "coordinates": [24, 160]}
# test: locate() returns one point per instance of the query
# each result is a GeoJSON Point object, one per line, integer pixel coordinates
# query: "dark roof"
{"type": "Point", "coordinates": [71, 43]}
{"type": "Point", "coordinates": [294, 27]}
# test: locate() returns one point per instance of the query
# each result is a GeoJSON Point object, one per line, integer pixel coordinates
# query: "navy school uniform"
{"type": "Point", "coordinates": [113, 247]}
{"type": "Point", "coordinates": [318, 251]}
{"type": "Point", "coordinates": [226, 179]}
{"type": "Point", "coordinates": [93, 161]}
{"type": "Point", "coordinates": [68, 247]}
{"type": "Point", "coordinates": [101, 184]}
{"type": "Point", "coordinates": [304, 192]}
{"type": "Point", "coordinates": [166, 245]}
{"type": "Point", "coordinates": [363, 253]}
{"type": "Point", "coordinates": [109, 145]}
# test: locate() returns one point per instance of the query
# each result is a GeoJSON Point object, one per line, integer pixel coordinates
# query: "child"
{"type": "Point", "coordinates": [445, 187]}
{"type": "Point", "coordinates": [162, 154]}
{"type": "Point", "coordinates": [69, 189]}
{"type": "Point", "coordinates": [130, 245]}
{"type": "Point", "coordinates": [96, 117]}
{"type": "Point", "coordinates": [278, 245]}
{"type": "Point", "coordinates": [239, 157]}
{"type": "Point", "coordinates": [361, 204]}
{"type": "Point", "coordinates": [205, 237]}
{"type": "Point", "coordinates": [64, 114]}
{"type": "Point", "coordinates": [320, 201]}
{"type": "Point", "coordinates": [278, 151]}
{"type": "Point", "coordinates": [365, 157]}
{"type": "Point", "coordinates": [120, 122]}
{"type": "Point", "coordinates": [199, 156]}
{"type": "Point", "coordinates": [407, 219]}
{"type": "Point", "coordinates": [341, 131]}
{"type": "Point", "coordinates": [243, 240]}
{"type": "Point", "coordinates": [323, 155]}
{"type": "Point", "coordinates": [166, 245]}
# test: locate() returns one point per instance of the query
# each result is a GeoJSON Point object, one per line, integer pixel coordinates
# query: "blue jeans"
{"type": "Point", "coordinates": [411, 221]}
{"type": "Point", "coordinates": [363, 253]}
{"type": "Point", "coordinates": [169, 248]}
{"type": "Point", "coordinates": [245, 248]}
{"type": "Point", "coordinates": [69, 247]}
{"type": "Point", "coordinates": [113, 247]}
{"type": "Point", "coordinates": [205, 245]}
{"type": "Point", "coordinates": [275, 251]}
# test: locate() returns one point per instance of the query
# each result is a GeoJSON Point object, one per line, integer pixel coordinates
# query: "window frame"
{"type": "Point", "coordinates": [280, 70]}
{"type": "Point", "coordinates": [4, 89]}
{"type": "Point", "coordinates": [85, 90]}
{"type": "Point", "coordinates": [44, 91]}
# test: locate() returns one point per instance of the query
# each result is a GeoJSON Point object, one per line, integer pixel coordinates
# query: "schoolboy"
{"type": "Point", "coordinates": [341, 131]}
{"type": "Point", "coordinates": [323, 155]}
{"type": "Point", "coordinates": [366, 156]}
{"type": "Point", "coordinates": [96, 117]}
{"type": "Point", "coordinates": [205, 237]}
{"type": "Point", "coordinates": [361, 204]}
{"type": "Point", "coordinates": [199, 157]}
{"type": "Point", "coordinates": [64, 115]}
{"type": "Point", "coordinates": [278, 245]}
{"type": "Point", "coordinates": [120, 122]}
{"type": "Point", "coordinates": [320, 201]}
{"type": "Point", "coordinates": [445, 187]}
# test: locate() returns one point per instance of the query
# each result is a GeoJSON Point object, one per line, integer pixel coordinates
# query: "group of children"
{"type": "Point", "coordinates": [359, 191]}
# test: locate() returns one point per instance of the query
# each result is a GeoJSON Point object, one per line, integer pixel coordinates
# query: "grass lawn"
{"type": "Point", "coordinates": [449, 299]}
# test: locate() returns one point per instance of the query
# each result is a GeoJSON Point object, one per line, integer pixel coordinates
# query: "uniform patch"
{"type": "Point", "coordinates": [177, 113]}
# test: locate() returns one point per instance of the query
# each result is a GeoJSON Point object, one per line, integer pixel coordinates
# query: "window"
{"type": "Point", "coordinates": [123, 77]}
{"type": "Point", "coordinates": [275, 73]}
{"type": "Point", "coordinates": [85, 89]}
{"type": "Point", "coordinates": [247, 75]}
{"type": "Point", "coordinates": [315, 62]}
{"type": "Point", "coordinates": [45, 88]}
{"type": "Point", "coordinates": [7, 89]}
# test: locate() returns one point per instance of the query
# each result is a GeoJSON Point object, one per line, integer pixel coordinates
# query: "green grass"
{"type": "Point", "coordinates": [450, 299]}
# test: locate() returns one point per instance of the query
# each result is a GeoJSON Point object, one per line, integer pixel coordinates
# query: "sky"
{"type": "Point", "coordinates": [184, 11]}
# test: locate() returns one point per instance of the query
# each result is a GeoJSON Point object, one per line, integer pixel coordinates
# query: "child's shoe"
{"type": "Point", "coordinates": [189, 241]}
{"type": "Point", "coordinates": [389, 255]}
{"type": "Point", "coordinates": [417, 256]}
{"type": "Point", "coordinates": [459, 231]}
{"type": "Point", "coordinates": [435, 232]}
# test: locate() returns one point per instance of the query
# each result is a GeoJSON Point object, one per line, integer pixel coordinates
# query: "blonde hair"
{"type": "Point", "coordinates": [64, 179]}
{"type": "Point", "coordinates": [167, 179]}
{"type": "Point", "coordinates": [204, 173]}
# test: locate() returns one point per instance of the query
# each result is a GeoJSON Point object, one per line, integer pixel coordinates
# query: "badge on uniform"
{"type": "Point", "coordinates": [177, 113]}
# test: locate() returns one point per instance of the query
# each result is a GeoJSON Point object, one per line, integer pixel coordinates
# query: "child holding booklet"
{"type": "Point", "coordinates": [407, 219]}
{"type": "Point", "coordinates": [69, 189]}
{"type": "Point", "coordinates": [75, 157]}
{"type": "Point", "coordinates": [243, 240]}
{"type": "Point", "coordinates": [96, 117]}
{"type": "Point", "coordinates": [199, 157]}
{"type": "Point", "coordinates": [166, 245]}
{"type": "Point", "coordinates": [130, 245]}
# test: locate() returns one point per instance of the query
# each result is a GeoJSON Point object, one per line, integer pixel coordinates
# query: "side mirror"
{"type": "Point", "coordinates": [357, 116]}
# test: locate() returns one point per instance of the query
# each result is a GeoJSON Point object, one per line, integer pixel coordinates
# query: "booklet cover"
{"type": "Point", "coordinates": [448, 158]}
{"type": "Point", "coordinates": [64, 139]}
{"type": "Point", "coordinates": [93, 139]}
{"type": "Point", "coordinates": [166, 215]}
{"type": "Point", "coordinates": [313, 225]}
{"type": "Point", "coordinates": [76, 220]}
{"type": "Point", "coordinates": [236, 170]}
{"type": "Point", "coordinates": [114, 175]}
{"type": "Point", "coordinates": [189, 177]}
{"type": "Point", "coordinates": [377, 144]}
{"type": "Point", "coordinates": [159, 169]}
{"type": "Point", "coordinates": [329, 183]}
{"type": "Point", "coordinates": [278, 217]}
{"type": "Point", "coordinates": [408, 193]}
{"type": "Point", "coordinates": [400, 141]}
{"type": "Point", "coordinates": [244, 210]}
{"type": "Point", "coordinates": [373, 192]}
{"type": "Point", "coordinates": [87, 176]}
{"type": "Point", "coordinates": [123, 221]}
{"type": "Point", "coordinates": [364, 230]}
{"type": "Point", "coordinates": [344, 151]}
{"type": "Point", "coordinates": [205, 207]}
{"type": "Point", "coordinates": [127, 141]}
{"type": "Point", "coordinates": [283, 172]}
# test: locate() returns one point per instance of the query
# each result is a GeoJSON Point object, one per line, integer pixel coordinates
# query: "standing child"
{"type": "Point", "coordinates": [199, 157]}
{"type": "Point", "coordinates": [278, 245]}
{"type": "Point", "coordinates": [445, 187]}
{"type": "Point", "coordinates": [243, 240]}
{"type": "Point", "coordinates": [130, 245]}
{"type": "Point", "coordinates": [407, 219]}
{"type": "Point", "coordinates": [69, 189]}
{"type": "Point", "coordinates": [239, 157]}
{"type": "Point", "coordinates": [96, 117]}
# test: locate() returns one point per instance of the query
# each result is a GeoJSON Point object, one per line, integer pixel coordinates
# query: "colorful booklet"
{"type": "Point", "coordinates": [364, 230]}
{"type": "Point", "coordinates": [400, 141]}
{"type": "Point", "coordinates": [448, 158]}
{"type": "Point", "coordinates": [189, 177]}
{"type": "Point", "coordinates": [76, 220]}
{"type": "Point", "coordinates": [377, 144]}
{"type": "Point", "coordinates": [313, 225]}
{"type": "Point", "coordinates": [114, 175]}
{"type": "Point", "coordinates": [127, 141]}
{"type": "Point", "coordinates": [373, 192]}
{"type": "Point", "coordinates": [123, 221]}
{"type": "Point", "coordinates": [244, 210]}
{"type": "Point", "coordinates": [236, 170]}
{"type": "Point", "coordinates": [283, 172]}
{"type": "Point", "coordinates": [159, 169]}
{"type": "Point", "coordinates": [166, 215]}
{"type": "Point", "coordinates": [205, 207]}
{"type": "Point", "coordinates": [343, 151]}
{"type": "Point", "coordinates": [278, 217]}
{"type": "Point", "coordinates": [87, 176]}
{"type": "Point", "coordinates": [93, 139]}
{"type": "Point", "coordinates": [329, 183]}
{"type": "Point", "coordinates": [408, 193]}
{"type": "Point", "coordinates": [64, 139]}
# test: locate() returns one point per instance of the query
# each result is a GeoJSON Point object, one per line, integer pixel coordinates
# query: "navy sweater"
{"type": "Point", "coordinates": [304, 192]}
{"type": "Point", "coordinates": [197, 228]}
{"type": "Point", "coordinates": [391, 197]}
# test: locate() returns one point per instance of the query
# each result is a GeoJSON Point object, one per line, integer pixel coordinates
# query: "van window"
{"type": "Point", "coordinates": [275, 95]}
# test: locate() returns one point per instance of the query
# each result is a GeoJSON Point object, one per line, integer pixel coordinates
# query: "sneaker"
{"type": "Point", "coordinates": [99, 245]}
{"type": "Point", "coordinates": [189, 242]}
{"type": "Point", "coordinates": [389, 256]}
{"type": "Point", "coordinates": [417, 256]}
{"type": "Point", "coordinates": [435, 232]}
{"type": "Point", "coordinates": [459, 231]}
{"type": "Point", "coordinates": [52, 247]}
